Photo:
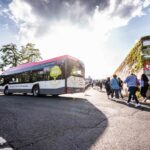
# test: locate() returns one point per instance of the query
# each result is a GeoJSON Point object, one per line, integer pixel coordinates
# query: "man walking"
{"type": "Point", "coordinates": [132, 83]}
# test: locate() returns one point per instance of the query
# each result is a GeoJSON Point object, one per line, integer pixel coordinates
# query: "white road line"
{"type": "Point", "coordinates": [2, 141]}
{"type": "Point", "coordinates": [6, 149]}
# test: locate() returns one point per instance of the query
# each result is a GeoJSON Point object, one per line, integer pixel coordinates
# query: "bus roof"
{"type": "Point", "coordinates": [26, 66]}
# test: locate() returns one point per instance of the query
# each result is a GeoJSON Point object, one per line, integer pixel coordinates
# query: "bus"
{"type": "Point", "coordinates": [59, 75]}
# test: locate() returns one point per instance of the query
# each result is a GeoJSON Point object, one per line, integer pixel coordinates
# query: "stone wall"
{"type": "Point", "coordinates": [136, 61]}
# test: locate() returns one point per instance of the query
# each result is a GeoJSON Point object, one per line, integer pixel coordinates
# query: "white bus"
{"type": "Point", "coordinates": [60, 75]}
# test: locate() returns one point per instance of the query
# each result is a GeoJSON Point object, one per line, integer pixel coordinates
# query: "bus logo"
{"type": "Point", "coordinates": [55, 72]}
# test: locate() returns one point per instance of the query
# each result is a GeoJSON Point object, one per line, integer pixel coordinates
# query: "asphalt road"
{"type": "Point", "coordinates": [73, 122]}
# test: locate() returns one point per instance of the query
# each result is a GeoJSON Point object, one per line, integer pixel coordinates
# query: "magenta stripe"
{"type": "Point", "coordinates": [23, 66]}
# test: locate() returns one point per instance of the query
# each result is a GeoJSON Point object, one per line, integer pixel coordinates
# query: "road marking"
{"type": "Point", "coordinates": [2, 141]}
{"type": "Point", "coordinates": [6, 149]}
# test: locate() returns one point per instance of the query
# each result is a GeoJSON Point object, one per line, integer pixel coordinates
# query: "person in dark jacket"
{"type": "Point", "coordinates": [121, 87]}
{"type": "Point", "coordinates": [144, 86]}
{"type": "Point", "coordinates": [108, 87]}
{"type": "Point", "coordinates": [100, 85]}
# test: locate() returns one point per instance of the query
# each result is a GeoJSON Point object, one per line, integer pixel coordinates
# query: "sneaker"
{"type": "Point", "coordinates": [112, 98]}
{"type": "Point", "coordinates": [127, 103]}
{"type": "Point", "coordinates": [116, 99]}
{"type": "Point", "coordinates": [137, 105]}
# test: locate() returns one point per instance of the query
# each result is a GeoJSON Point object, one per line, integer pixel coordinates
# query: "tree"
{"type": "Point", "coordinates": [10, 56]}
{"type": "Point", "coordinates": [1, 66]}
{"type": "Point", "coordinates": [30, 54]}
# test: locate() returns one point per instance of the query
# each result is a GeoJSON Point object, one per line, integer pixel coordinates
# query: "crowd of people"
{"type": "Point", "coordinates": [114, 87]}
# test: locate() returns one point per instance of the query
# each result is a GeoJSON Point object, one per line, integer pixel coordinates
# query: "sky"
{"type": "Point", "coordinates": [99, 32]}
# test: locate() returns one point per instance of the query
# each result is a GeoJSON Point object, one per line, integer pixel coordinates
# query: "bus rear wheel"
{"type": "Point", "coordinates": [36, 90]}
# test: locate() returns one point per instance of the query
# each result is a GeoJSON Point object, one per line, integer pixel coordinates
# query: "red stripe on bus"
{"type": "Point", "coordinates": [40, 62]}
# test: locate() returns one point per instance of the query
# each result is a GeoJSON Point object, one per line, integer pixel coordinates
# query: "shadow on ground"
{"type": "Point", "coordinates": [143, 107]}
{"type": "Point", "coordinates": [50, 123]}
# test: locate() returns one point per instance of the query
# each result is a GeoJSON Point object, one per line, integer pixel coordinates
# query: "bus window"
{"type": "Point", "coordinates": [6, 79]}
{"type": "Point", "coordinates": [18, 78]}
{"type": "Point", "coordinates": [25, 77]}
{"type": "Point", "coordinates": [61, 65]}
{"type": "Point", "coordinates": [54, 72]}
{"type": "Point", "coordinates": [12, 79]}
{"type": "Point", "coordinates": [46, 73]}
{"type": "Point", "coordinates": [40, 75]}
{"type": "Point", "coordinates": [34, 76]}
{"type": "Point", "coordinates": [37, 75]}
{"type": "Point", "coordinates": [1, 80]}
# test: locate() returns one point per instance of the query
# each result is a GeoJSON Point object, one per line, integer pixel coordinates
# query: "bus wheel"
{"type": "Point", "coordinates": [6, 92]}
{"type": "Point", "coordinates": [36, 91]}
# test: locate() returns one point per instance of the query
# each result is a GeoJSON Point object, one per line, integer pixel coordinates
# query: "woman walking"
{"type": "Point", "coordinates": [144, 86]}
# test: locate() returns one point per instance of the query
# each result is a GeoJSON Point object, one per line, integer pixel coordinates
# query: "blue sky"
{"type": "Point", "coordinates": [99, 32]}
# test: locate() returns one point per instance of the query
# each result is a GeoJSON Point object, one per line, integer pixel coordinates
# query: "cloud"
{"type": "Point", "coordinates": [74, 10]}
{"type": "Point", "coordinates": [43, 14]}
{"type": "Point", "coordinates": [76, 27]}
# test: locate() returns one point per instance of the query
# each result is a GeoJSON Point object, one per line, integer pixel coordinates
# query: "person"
{"type": "Point", "coordinates": [114, 83]}
{"type": "Point", "coordinates": [144, 86]}
{"type": "Point", "coordinates": [100, 85]}
{"type": "Point", "coordinates": [132, 83]}
{"type": "Point", "coordinates": [108, 87]}
{"type": "Point", "coordinates": [121, 87]}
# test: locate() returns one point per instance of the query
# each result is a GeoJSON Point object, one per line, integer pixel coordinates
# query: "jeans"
{"type": "Point", "coordinates": [132, 93]}
{"type": "Point", "coordinates": [120, 93]}
{"type": "Point", "coordinates": [144, 91]}
{"type": "Point", "coordinates": [116, 91]}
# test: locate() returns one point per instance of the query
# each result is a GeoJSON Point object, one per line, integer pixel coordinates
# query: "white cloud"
{"type": "Point", "coordinates": [3, 11]}
{"type": "Point", "coordinates": [22, 12]}
{"type": "Point", "coordinates": [85, 42]}
{"type": "Point", "coordinates": [146, 3]}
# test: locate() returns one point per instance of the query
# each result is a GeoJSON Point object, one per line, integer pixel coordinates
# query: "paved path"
{"type": "Point", "coordinates": [128, 127]}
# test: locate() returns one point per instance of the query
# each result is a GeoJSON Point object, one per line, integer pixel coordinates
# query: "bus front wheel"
{"type": "Point", "coordinates": [6, 91]}
{"type": "Point", "coordinates": [36, 91]}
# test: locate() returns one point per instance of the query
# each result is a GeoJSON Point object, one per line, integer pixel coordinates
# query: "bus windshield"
{"type": "Point", "coordinates": [75, 69]}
